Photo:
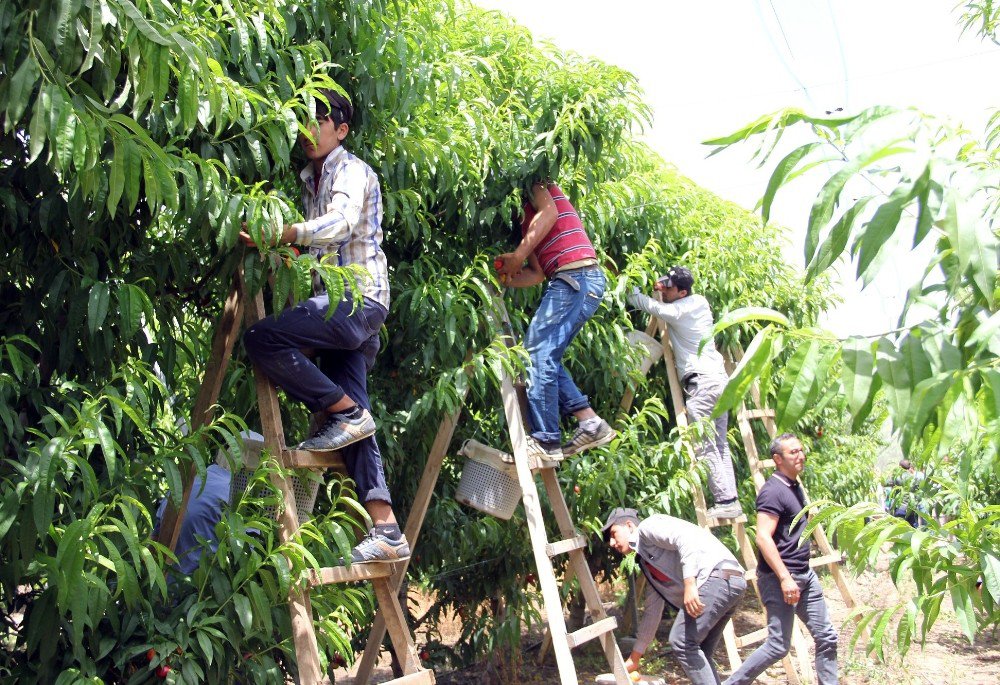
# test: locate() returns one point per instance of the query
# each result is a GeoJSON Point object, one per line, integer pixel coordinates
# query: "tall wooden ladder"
{"type": "Point", "coordinates": [385, 578]}
{"type": "Point", "coordinates": [798, 668]}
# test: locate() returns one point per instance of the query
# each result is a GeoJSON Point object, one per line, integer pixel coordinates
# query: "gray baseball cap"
{"type": "Point", "coordinates": [619, 515]}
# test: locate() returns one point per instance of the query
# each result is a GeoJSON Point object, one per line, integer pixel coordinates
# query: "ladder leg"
{"type": "Point", "coordinates": [414, 522]}
{"type": "Point", "coordinates": [578, 562]}
{"type": "Point", "coordinates": [395, 623]}
{"type": "Point", "coordinates": [536, 533]}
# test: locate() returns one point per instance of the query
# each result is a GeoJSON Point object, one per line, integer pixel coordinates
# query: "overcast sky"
{"type": "Point", "coordinates": [707, 68]}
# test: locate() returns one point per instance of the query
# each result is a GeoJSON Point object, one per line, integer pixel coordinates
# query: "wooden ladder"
{"type": "Point", "coordinates": [571, 543]}
{"type": "Point", "coordinates": [385, 578]}
{"type": "Point", "coordinates": [798, 670]}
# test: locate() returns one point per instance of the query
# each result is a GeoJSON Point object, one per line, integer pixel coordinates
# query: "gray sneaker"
{"type": "Point", "coordinates": [378, 549]}
{"type": "Point", "coordinates": [538, 451]}
{"type": "Point", "coordinates": [725, 511]}
{"type": "Point", "coordinates": [340, 431]}
{"type": "Point", "coordinates": [585, 440]}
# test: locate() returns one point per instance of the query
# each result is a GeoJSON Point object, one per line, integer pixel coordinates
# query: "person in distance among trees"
{"type": "Point", "coordinates": [343, 209]}
{"type": "Point", "coordinates": [555, 246]}
{"type": "Point", "coordinates": [687, 567]}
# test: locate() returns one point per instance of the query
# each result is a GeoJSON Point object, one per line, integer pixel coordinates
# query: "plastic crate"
{"type": "Point", "coordinates": [489, 482]}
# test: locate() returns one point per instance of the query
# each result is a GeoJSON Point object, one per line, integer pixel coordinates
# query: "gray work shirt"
{"type": "Point", "coordinates": [673, 549]}
{"type": "Point", "coordinates": [689, 321]}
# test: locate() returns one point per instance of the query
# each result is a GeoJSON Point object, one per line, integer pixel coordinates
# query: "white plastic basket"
{"type": "Point", "coordinates": [652, 349]}
{"type": "Point", "coordinates": [305, 490]}
{"type": "Point", "coordinates": [488, 482]}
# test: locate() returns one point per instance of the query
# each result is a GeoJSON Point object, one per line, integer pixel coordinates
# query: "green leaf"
{"type": "Point", "coordinates": [973, 239]}
{"type": "Point", "coordinates": [877, 232]}
{"type": "Point", "coordinates": [145, 27]}
{"type": "Point", "coordinates": [744, 314]}
{"type": "Point", "coordinates": [107, 446]}
{"type": "Point", "coordinates": [965, 612]}
{"type": "Point", "coordinates": [799, 379]}
{"type": "Point", "coordinates": [22, 83]}
{"type": "Point", "coordinates": [895, 374]}
{"type": "Point", "coordinates": [243, 611]}
{"type": "Point", "coordinates": [97, 306]}
{"type": "Point", "coordinates": [859, 370]}
{"type": "Point", "coordinates": [780, 175]}
{"type": "Point", "coordinates": [758, 355]}
{"type": "Point", "coordinates": [990, 566]}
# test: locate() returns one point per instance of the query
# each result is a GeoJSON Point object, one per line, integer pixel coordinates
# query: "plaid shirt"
{"type": "Point", "coordinates": [344, 217]}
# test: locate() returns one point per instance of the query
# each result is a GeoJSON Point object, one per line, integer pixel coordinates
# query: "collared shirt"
{"type": "Point", "coordinates": [204, 511]}
{"type": "Point", "coordinates": [689, 321]}
{"type": "Point", "coordinates": [671, 549]}
{"type": "Point", "coordinates": [344, 217]}
{"type": "Point", "coordinates": [782, 497]}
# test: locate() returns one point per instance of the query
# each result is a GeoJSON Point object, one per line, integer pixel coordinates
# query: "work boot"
{"type": "Point", "coordinates": [584, 439]}
{"type": "Point", "coordinates": [540, 451]}
{"type": "Point", "coordinates": [378, 549]}
{"type": "Point", "coordinates": [340, 431]}
{"type": "Point", "coordinates": [730, 510]}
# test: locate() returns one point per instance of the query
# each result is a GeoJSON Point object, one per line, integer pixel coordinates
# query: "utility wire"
{"type": "Point", "coordinates": [843, 56]}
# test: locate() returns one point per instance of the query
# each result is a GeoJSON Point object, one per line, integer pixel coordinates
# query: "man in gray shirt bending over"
{"type": "Point", "coordinates": [688, 567]}
{"type": "Point", "coordinates": [703, 375]}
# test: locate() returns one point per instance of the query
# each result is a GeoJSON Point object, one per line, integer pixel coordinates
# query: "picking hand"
{"type": "Point", "coordinates": [508, 268]}
{"type": "Point", "coordinates": [692, 603]}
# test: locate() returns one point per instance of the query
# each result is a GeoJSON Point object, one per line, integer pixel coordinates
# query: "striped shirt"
{"type": "Point", "coordinates": [567, 241]}
{"type": "Point", "coordinates": [344, 217]}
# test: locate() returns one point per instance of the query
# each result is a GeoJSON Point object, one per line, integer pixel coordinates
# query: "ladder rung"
{"type": "Point", "coordinates": [815, 562]}
{"type": "Point", "coordinates": [304, 459]}
{"type": "Point", "coordinates": [751, 638]}
{"type": "Point", "coordinates": [767, 463]}
{"type": "Point", "coordinates": [587, 633]}
{"type": "Point", "coordinates": [756, 414]}
{"type": "Point", "coordinates": [418, 678]}
{"type": "Point", "coordinates": [715, 523]}
{"type": "Point", "coordinates": [331, 575]}
{"type": "Point", "coordinates": [564, 546]}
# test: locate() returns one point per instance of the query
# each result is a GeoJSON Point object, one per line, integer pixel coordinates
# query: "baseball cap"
{"type": "Point", "coordinates": [679, 277]}
{"type": "Point", "coordinates": [619, 515]}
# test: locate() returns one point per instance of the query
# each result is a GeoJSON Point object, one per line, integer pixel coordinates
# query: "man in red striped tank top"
{"type": "Point", "coordinates": [555, 246]}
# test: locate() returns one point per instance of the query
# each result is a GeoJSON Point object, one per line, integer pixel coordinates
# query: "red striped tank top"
{"type": "Point", "coordinates": [567, 241]}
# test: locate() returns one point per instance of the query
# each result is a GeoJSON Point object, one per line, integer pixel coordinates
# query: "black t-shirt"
{"type": "Point", "coordinates": [785, 501]}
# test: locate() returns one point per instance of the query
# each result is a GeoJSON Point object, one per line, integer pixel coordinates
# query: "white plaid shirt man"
{"type": "Point", "coordinates": [344, 217]}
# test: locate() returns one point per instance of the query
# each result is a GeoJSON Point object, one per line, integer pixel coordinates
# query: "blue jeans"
{"type": "Point", "coordinates": [693, 640]}
{"type": "Point", "coordinates": [346, 343]}
{"type": "Point", "coordinates": [811, 609]}
{"type": "Point", "coordinates": [571, 297]}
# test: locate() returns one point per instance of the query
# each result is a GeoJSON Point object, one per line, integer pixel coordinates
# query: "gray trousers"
{"type": "Point", "coordinates": [811, 609]}
{"type": "Point", "coordinates": [702, 392]}
{"type": "Point", "coordinates": [694, 639]}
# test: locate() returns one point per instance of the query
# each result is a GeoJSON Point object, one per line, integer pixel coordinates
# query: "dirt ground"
{"type": "Point", "coordinates": [947, 658]}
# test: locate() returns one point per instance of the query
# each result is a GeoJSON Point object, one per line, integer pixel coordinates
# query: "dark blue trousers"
{"type": "Point", "coordinates": [346, 343]}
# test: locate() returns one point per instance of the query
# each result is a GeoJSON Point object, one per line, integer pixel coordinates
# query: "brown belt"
{"type": "Point", "coordinates": [725, 573]}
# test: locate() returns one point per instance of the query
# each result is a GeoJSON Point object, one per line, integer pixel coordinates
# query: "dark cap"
{"type": "Point", "coordinates": [679, 277]}
{"type": "Point", "coordinates": [619, 515]}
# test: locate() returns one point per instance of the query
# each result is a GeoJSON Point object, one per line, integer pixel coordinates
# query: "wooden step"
{"type": "Point", "coordinates": [331, 575]}
{"type": "Point", "coordinates": [815, 562]}
{"type": "Point", "coordinates": [564, 546]}
{"type": "Point", "coordinates": [716, 523]}
{"type": "Point", "coordinates": [306, 459]}
{"type": "Point", "coordinates": [756, 414]}
{"type": "Point", "coordinates": [418, 678]}
{"type": "Point", "coordinates": [753, 638]}
{"type": "Point", "coordinates": [588, 633]}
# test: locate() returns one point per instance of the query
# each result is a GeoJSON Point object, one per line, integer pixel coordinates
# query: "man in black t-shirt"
{"type": "Point", "coordinates": [788, 587]}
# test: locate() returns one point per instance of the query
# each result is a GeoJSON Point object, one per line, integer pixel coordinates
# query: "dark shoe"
{"type": "Point", "coordinates": [585, 440]}
{"type": "Point", "coordinates": [340, 431]}
{"type": "Point", "coordinates": [378, 549]}
{"type": "Point", "coordinates": [732, 510]}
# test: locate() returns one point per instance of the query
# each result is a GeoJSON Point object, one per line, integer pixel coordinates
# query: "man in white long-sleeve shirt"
{"type": "Point", "coordinates": [703, 375]}
{"type": "Point", "coordinates": [688, 567]}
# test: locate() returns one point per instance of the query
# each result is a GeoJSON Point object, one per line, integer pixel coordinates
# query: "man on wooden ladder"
{"type": "Point", "coordinates": [343, 210]}
{"type": "Point", "coordinates": [703, 375]}
{"type": "Point", "coordinates": [556, 246]}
